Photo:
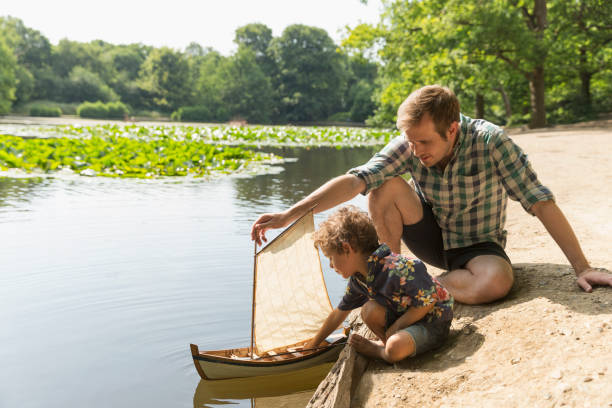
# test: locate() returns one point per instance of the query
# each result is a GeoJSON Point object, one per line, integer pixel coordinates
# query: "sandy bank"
{"type": "Point", "coordinates": [547, 344]}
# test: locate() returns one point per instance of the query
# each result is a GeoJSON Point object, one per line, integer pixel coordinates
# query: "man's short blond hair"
{"type": "Point", "coordinates": [437, 101]}
{"type": "Point", "coordinates": [348, 224]}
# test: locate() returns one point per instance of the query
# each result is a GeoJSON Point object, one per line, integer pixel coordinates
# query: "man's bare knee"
{"type": "Point", "coordinates": [395, 198]}
{"type": "Point", "coordinates": [493, 281]}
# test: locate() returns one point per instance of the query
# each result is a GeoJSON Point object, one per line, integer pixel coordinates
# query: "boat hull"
{"type": "Point", "coordinates": [216, 365]}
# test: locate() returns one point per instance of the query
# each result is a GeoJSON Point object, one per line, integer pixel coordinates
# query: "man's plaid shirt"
{"type": "Point", "coordinates": [469, 197]}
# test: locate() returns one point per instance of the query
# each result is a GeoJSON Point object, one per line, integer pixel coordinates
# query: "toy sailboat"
{"type": "Point", "coordinates": [290, 303]}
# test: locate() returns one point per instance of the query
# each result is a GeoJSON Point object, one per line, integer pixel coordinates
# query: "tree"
{"type": "Point", "coordinates": [8, 82]}
{"type": "Point", "coordinates": [311, 74]}
{"type": "Point", "coordinates": [32, 52]}
{"type": "Point", "coordinates": [84, 85]}
{"type": "Point", "coordinates": [360, 88]}
{"type": "Point", "coordinates": [582, 33]}
{"type": "Point", "coordinates": [257, 38]}
{"type": "Point", "coordinates": [165, 77]}
{"type": "Point", "coordinates": [128, 58]}
{"type": "Point", "coordinates": [209, 86]}
{"type": "Point", "coordinates": [246, 92]}
{"type": "Point", "coordinates": [30, 47]}
{"type": "Point", "coordinates": [473, 46]}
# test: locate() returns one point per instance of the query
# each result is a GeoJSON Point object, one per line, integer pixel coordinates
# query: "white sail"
{"type": "Point", "coordinates": [291, 300]}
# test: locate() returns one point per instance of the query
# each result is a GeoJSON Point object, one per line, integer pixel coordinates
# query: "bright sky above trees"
{"type": "Point", "coordinates": [211, 23]}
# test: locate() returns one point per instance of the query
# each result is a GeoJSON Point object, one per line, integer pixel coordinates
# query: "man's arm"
{"type": "Point", "coordinates": [561, 231]}
{"type": "Point", "coordinates": [336, 191]}
{"type": "Point", "coordinates": [333, 321]}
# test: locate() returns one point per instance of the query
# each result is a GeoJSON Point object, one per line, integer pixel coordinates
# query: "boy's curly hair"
{"type": "Point", "coordinates": [348, 224]}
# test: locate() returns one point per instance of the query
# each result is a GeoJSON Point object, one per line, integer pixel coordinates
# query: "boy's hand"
{"type": "Point", "coordinates": [309, 345]}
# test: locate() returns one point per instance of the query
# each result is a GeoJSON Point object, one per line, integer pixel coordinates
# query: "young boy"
{"type": "Point", "coordinates": [400, 302]}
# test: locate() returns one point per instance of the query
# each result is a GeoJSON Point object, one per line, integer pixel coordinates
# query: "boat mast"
{"type": "Point", "coordinates": [253, 305]}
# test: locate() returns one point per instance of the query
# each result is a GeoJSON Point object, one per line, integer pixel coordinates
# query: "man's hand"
{"type": "Point", "coordinates": [264, 223]}
{"type": "Point", "coordinates": [592, 276]}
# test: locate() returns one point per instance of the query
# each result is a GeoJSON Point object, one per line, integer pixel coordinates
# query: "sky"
{"type": "Point", "coordinates": [176, 23]}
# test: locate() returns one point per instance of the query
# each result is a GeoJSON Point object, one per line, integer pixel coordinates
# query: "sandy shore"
{"type": "Point", "coordinates": [547, 344]}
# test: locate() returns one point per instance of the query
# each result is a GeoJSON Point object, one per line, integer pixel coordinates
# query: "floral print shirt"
{"type": "Point", "coordinates": [398, 283]}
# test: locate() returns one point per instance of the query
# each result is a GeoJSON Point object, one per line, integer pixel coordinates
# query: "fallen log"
{"type": "Point", "coordinates": [337, 389]}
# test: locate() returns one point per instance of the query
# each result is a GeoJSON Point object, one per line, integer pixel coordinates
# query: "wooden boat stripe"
{"type": "Point", "coordinates": [259, 363]}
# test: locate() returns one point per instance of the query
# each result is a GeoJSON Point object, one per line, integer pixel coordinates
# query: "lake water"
{"type": "Point", "coordinates": [105, 282]}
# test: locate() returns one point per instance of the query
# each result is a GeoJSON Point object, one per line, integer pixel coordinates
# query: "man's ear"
{"type": "Point", "coordinates": [453, 131]}
{"type": "Point", "coordinates": [346, 247]}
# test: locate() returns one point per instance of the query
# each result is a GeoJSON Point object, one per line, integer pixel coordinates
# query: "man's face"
{"type": "Point", "coordinates": [427, 144]}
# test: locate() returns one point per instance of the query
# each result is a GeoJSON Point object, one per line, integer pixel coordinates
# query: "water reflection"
{"type": "Point", "coordinates": [16, 190]}
{"type": "Point", "coordinates": [314, 167]}
{"type": "Point", "coordinates": [283, 390]}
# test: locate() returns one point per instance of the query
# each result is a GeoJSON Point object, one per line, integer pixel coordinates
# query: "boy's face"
{"type": "Point", "coordinates": [345, 264]}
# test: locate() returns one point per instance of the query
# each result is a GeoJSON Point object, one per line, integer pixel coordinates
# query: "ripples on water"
{"type": "Point", "coordinates": [105, 282]}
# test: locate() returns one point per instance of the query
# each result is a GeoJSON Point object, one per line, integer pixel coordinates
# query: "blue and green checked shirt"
{"type": "Point", "coordinates": [469, 197]}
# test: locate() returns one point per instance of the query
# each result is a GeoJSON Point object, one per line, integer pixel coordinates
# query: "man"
{"type": "Point", "coordinates": [452, 212]}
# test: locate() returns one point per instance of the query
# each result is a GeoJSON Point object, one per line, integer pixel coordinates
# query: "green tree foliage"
{"type": "Point", "coordinates": [246, 91]}
{"type": "Point", "coordinates": [510, 61]}
{"type": "Point", "coordinates": [580, 57]}
{"type": "Point", "coordinates": [126, 63]}
{"type": "Point", "coordinates": [502, 57]}
{"type": "Point", "coordinates": [32, 51]}
{"type": "Point", "coordinates": [461, 44]}
{"type": "Point", "coordinates": [165, 76]}
{"type": "Point", "coordinates": [257, 38]}
{"type": "Point", "coordinates": [208, 95]}
{"type": "Point", "coordinates": [31, 48]}
{"type": "Point", "coordinates": [8, 81]}
{"type": "Point", "coordinates": [359, 100]}
{"type": "Point", "coordinates": [311, 74]}
{"type": "Point", "coordinates": [84, 85]}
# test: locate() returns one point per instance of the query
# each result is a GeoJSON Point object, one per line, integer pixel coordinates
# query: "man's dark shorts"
{"type": "Point", "coordinates": [424, 239]}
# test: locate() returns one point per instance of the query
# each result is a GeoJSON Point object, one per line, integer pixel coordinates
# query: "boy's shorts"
{"type": "Point", "coordinates": [424, 239]}
{"type": "Point", "coordinates": [426, 336]}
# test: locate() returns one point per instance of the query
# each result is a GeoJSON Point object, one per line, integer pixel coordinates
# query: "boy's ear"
{"type": "Point", "coordinates": [346, 247]}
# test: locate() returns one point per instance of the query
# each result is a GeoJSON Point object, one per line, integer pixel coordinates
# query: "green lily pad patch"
{"type": "Point", "coordinates": [128, 157]}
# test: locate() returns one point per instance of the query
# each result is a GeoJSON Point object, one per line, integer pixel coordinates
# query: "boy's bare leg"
{"type": "Point", "coordinates": [374, 316]}
{"type": "Point", "coordinates": [391, 206]}
{"type": "Point", "coordinates": [397, 347]}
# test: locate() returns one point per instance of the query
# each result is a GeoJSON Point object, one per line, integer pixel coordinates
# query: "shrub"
{"type": "Point", "coordinates": [100, 110]}
{"type": "Point", "coordinates": [117, 110]}
{"type": "Point", "coordinates": [95, 110]}
{"type": "Point", "coordinates": [45, 110]}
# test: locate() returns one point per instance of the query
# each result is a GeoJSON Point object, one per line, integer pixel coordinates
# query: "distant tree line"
{"type": "Point", "coordinates": [509, 61]}
{"type": "Point", "coordinates": [300, 76]}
